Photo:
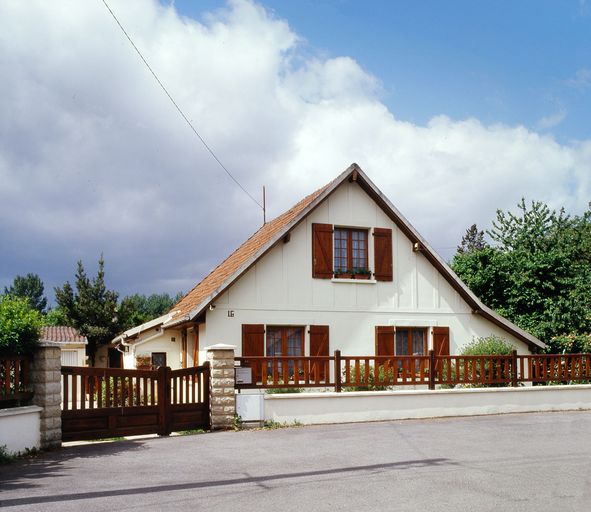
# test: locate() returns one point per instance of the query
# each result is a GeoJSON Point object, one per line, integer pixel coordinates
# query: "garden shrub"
{"type": "Point", "coordinates": [20, 326]}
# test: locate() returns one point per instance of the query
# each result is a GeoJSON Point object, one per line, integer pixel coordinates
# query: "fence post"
{"type": "Point", "coordinates": [46, 379]}
{"type": "Point", "coordinates": [222, 400]}
{"type": "Point", "coordinates": [514, 368]}
{"type": "Point", "coordinates": [431, 369]}
{"type": "Point", "coordinates": [163, 400]}
{"type": "Point", "coordinates": [337, 371]}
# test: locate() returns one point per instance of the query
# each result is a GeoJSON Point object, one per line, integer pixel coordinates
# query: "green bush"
{"type": "Point", "coordinates": [279, 390]}
{"type": "Point", "coordinates": [488, 346]}
{"type": "Point", "coordinates": [20, 326]}
{"type": "Point", "coordinates": [370, 385]}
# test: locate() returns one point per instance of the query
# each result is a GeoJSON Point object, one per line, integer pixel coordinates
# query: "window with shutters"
{"type": "Point", "coordinates": [343, 253]}
{"type": "Point", "coordinates": [350, 252]}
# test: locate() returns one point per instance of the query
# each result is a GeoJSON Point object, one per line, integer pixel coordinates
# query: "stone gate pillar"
{"type": "Point", "coordinates": [221, 399]}
{"type": "Point", "coordinates": [46, 380]}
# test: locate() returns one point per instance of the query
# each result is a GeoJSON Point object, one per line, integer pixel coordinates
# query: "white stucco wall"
{"type": "Point", "coordinates": [156, 340]}
{"type": "Point", "coordinates": [19, 428]}
{"type": "Point", "coordinates": [319, 408]}
{"type": "Point", "coordinates": [280, 290]}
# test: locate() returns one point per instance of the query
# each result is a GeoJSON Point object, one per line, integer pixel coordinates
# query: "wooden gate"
{"type": "Point", "coordinates": [111, 402]}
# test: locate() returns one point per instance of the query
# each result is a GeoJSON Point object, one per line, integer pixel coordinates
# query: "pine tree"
{"type": "Point", "coordinates": [92, 308]}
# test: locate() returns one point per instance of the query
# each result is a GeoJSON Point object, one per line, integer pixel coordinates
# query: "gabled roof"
{"type": "Point", "coordinates": [194, 303]}
{"type": "Point", "coordinates": [62, 334]}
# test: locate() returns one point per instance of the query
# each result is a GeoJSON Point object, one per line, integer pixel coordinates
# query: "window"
{"type": "Point", "coordinates": [158, 359]}
{"type": "Point", "coordinates": [350, 251]}
{"type": "Point", "coordinates": [411, 341]}
{"type": "Point", "coordinates": [337, 252]}
{"type": "Point", "coordinates": [285, 341]}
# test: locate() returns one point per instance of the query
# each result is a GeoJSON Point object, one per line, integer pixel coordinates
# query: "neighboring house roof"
{"type": "Point", "coordinates": [62, 334]}
{"type": "Point", "coordinates": [134, 331]}
{"type": "Point", "coordinates": [242, 259]}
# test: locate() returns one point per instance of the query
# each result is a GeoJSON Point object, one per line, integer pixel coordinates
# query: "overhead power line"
{"type": "Point", "coordinates": [193, 129]}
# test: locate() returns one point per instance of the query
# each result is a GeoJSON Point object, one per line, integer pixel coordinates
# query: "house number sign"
{"type": "Point", "coordinates": [230, 313]}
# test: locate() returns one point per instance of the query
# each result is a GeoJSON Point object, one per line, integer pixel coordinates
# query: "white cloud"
{"type": "Point", "coordinates": [552, 120]}
{"type": "Point", "coordinates": [94, 158]}
{"type": "Point", "coordinates": [581, 80]}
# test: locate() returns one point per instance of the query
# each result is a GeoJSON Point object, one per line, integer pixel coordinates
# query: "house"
{"type": "Point", "coordinates": [72, 343]}
{"type": "Point", "coordinates": [342, 269]}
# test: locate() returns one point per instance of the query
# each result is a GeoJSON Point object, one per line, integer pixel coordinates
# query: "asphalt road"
{"type": "Point", "coordinates": [537, 462]}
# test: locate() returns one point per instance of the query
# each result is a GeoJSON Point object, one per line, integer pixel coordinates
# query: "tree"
{"type": "Point", "coordinates": [92, 309]}
{"type": "Point", "coordinates": [473, 240]}
{"type": "Point", "coordinates": [31, 288]}
{"type": "Point", "coordinates": [538, 273]}
{"type": "Point", "coordinates": [20, 325]}
{"type": "Point", "coordinates": [56, 316]}
{"type": "Point", "coordinates": [141, 308]}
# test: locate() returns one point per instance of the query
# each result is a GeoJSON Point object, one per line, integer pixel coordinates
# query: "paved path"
{"type": "Point", "coordinates": [526, 462]}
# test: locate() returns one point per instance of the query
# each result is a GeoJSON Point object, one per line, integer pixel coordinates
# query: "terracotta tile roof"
{"type": "Point", "coordinates": [61, 334]}
{"type": "Point", "coordinates": [239, 257]}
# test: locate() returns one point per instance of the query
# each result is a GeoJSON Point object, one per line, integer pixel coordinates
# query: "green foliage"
{"type": "Point", "coordinates": [573, 343]}
{"type": "Point", "coordinates": [20, 326]}
{"type": "Point", "coordinates": [92, 309]}
{"type": "Point", "coordinates": [237, 422]}
{"type": "Point", "coordinates": [274, 425]}
{"type": "Point", "coordinates": [191, 432]}
{"type": "Point", "coordinates": [31, 288]}
{"type": "Point", "coordinates": [5, 456]}
{"type": "Point", "coordinates": [538, 274]}
{"type": "Point", "coordinates": [488, 346]}
{"type": "Point", "coordinates": [472, 241]}
{"type": "Point", "coordinates": [280, 390]}
{"type": "Point", "coordinates": [55, 316]}
{"type": "Point", "coordinates": [370, 383]}
{"type": "Point", "coordinates": [138, 309]}
{"type": "Point", "coordinates": [485, 346]}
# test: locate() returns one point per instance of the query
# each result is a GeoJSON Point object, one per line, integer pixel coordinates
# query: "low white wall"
{"type": "Point", "coordinates": [331, 407]}
{"type": "Point", "coordinates": [19, 428]}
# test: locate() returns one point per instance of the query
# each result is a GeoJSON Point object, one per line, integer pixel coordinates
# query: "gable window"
{"type": "Point", "coordinates": [350, 251]}
{"type": "Point", "coordinates": [343, 253]}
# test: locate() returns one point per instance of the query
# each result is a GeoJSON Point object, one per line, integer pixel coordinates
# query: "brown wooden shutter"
{"type": "Point", "coordinates": [253, 344]}
{"type": "Point", "coordinates": [385, 340]}
{"type": "Point", "coordinates": [440, 346]}
{"type": "Point", "coordinates": [441, 341]}
{"type": "Point", "coordinates": [253, 340]}
{"type": "Point", "coordinates": [382, 240]}
{"type": "Point", "coordinates": [319, 346]}
{"type": "Point", "coordinates": [322, 251]}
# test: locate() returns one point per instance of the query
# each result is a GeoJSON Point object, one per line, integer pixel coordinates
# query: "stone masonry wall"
{"type": "Point", "coordinates": [46, 380]}
{"type": "Point", "coordinates": [222, 399]}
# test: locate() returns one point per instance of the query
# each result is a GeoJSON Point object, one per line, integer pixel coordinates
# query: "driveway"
{"type": "Point", "coordinates": [522, 462]}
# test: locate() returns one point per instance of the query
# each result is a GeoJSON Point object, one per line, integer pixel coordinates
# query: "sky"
{"type": "Point", "coordinates": [454, 110]}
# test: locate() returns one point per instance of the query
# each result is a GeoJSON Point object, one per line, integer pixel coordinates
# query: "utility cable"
{"type": "Point", "coordinates": [179, 108]}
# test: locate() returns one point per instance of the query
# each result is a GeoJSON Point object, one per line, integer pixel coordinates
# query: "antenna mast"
{"type": "Point", "coordinates": [264, 207]}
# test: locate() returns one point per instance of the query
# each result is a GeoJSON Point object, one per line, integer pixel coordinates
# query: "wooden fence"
{"type": "Point", "coordinates": [382, 372]}
{"type": "Point", "coordinates": [109, 402]}
{"type": "Point", "coordinates": [15, 385]}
